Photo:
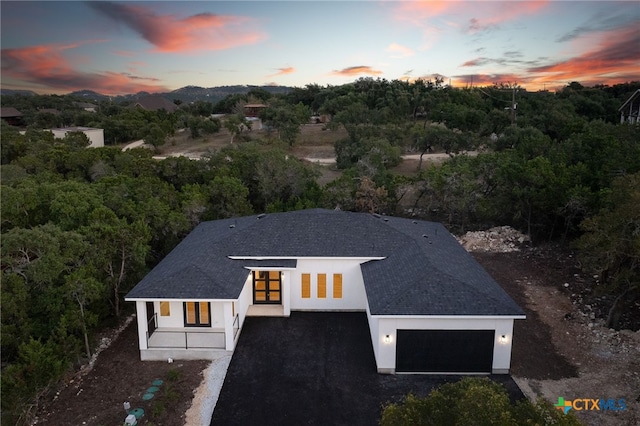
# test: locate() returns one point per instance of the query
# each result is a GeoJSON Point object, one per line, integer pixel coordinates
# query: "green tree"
{"type": "Point", "coordinates": [281, 177]}
{"type": "Point", "coordinates": [610, 245]}
{"type": "Point", "coordinates": [236, 124]}
{"type": "Point", "coordinates": [227, 197]}
{"type": "Point", "coordinates": [82, 288]}
{"type": "Point", "coordinates": [76, 140]}
{"type": "Point", "coordinates": [13, 145]}
{"type": "Point", "coordinates": [286, 119]}
{"type": "Point", "coordinates": [155, 136]}
{"type": "Point", "coordinates": [120, 249]}
{"type": "Point", "coordinates": [471, 401]}
{"type": "Point", "coordinates": [37, 366]}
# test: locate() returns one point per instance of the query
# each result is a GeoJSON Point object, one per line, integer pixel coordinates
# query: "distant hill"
{"type": "Point", "coordinates": [189, 94]}
{"type": "Point", "coordinates": [90, 95]}
{"type": "Point", "coordinates": [185, 94]}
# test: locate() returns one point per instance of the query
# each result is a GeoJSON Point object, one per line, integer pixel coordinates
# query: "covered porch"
{"type": "Point", "coordinates": [188, 338]}
{"type": "Point", "coordinates": [187, 329]}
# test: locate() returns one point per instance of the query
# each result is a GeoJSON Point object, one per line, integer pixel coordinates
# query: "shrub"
{"type": "Point", "coordinates": [471, 401]}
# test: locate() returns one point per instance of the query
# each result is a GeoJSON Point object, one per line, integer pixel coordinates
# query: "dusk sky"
{"type": "Point", "coordinates": [125, 47]}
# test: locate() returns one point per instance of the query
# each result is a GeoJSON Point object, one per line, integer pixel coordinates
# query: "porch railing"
{"type": "Point", "coordinates": [185, 339]}
{"type": "Point", "coordinates": [152, 323]}
{"type": "Point", "coordinates": [236, 325]}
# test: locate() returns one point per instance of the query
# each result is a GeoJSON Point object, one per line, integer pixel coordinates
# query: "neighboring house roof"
{"type": "Point", "coordinates": [9, 112]}
{"type": "Point", "coordinates": [412, 267]}
{"type": "Point", "coordinates": [156, 103]}
{"type": "Point", "coordinates": [252, 110]}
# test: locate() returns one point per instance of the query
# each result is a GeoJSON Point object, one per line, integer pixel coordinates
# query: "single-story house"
{"type": "Point", "coordinates": [96, 136]}
{"type": "Point", "coordinates": [253, 110]}
{"type": "Point", "coordinates": [431, 307]}
{"type": "Point", "coordinates": [12, 116]}
{"type": "Point", "coordinates": [155, 103]}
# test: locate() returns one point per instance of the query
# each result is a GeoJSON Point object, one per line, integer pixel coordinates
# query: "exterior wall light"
{"type": "Point", "coordinates": [387, 338]}
{"type": "Point", "coordinates": [503, 339]}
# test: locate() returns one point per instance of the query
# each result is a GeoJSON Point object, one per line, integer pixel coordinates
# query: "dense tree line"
{"type": "Point", "coordinates": [81, 226]}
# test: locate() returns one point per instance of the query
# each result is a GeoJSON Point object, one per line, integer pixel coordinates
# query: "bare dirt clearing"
{"type": "Point", "coordinates": [562, 349]}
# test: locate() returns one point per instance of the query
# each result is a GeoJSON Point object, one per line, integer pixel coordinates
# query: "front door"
{"type": "Point", "coordinates": [267, 287]}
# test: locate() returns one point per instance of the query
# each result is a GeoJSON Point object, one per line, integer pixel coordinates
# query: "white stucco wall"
{"type": "Point", "coordinates": [353, 294]}
{"type": "Point", "coordinates": [96, 136]}
{"type": "Point", "coordinates": [373, 330]}
{"type": "Point", "coordinates": [245, 299]}
{"type": "Point", "coordinates": [385, 353]}
{"type": "Point", "coordinates": [141, 316]}
{"type": "Point", "coordinates": [176, 317]}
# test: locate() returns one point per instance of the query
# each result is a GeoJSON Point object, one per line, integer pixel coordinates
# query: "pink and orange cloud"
{"type": "Point", "coordinates": [46, 66]}
{"type": "Point", "coordinates": [611, 59]}
{"type": "Point", "coordinates": [399, 51]}
{"type": "Point", "coordinates": [487, 15]}
{"type": "Point", "coordinates": [615, 60]}
{"type": "Point", "coordinates": [357, 70]}
{"type": "Point", "coordinates": [283, 71]}
{"type": "Point", "coordinates": [169, 33]}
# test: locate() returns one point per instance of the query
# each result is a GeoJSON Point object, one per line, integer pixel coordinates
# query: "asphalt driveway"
{"type": "Point", "coordinates": [314, 369]}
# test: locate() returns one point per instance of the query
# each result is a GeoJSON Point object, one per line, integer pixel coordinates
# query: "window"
{"type": "Point", "coordinates": [306, 286]}
{"type": "Point", "coordinates": [267, 287]}
{"type": "Point", "coordinates": [190, 313]}
{"type": "Point", "coordinates": [196, 314]}
{"type": "Point", "coordinates": [337, 286]}
{"type": "Point", "coordinates": [322, 286]}
{"type": "Point", "coordinates": [204, 313]}
{"type": "Point", "coordinates": [165, 309]}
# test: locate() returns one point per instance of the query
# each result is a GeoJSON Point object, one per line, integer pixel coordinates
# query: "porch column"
{"type": "Point", "coordinates": [502, 347]}
{"type": "Point", "coordinates": [228, 326]}
{"type": "Point", "coordinates": [141, 316]}
{"type": "Point", "coordinates": [286, 293]}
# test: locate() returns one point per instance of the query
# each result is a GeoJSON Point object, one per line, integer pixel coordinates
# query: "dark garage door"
{"type": "Point", "coordinates": [444, 351]}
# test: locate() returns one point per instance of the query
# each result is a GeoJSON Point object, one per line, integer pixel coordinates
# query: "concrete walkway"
{"type": "Point", "coordinates": [206, 396]}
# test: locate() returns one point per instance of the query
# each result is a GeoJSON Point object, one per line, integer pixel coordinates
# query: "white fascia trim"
{"type": "Point", "coordinates": [156, 299]}
{"type": "Point", "coordinates": [305, 258]}
{"type": "Point", "coordinates": [268, 268]}
{"type": "Point", "coordinates": [481, 317]}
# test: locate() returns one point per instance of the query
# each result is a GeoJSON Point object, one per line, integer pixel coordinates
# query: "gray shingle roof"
{"type": "Point", "coordinates": [6, 112]}
{"type": "Point", "coordinates": [155, 103]}
{"type": "Point", "coordinates": [425, 271]}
